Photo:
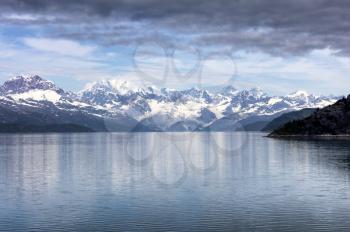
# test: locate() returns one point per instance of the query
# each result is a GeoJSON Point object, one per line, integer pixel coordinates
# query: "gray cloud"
{"type": "Point", "coordinates": [273, 26]}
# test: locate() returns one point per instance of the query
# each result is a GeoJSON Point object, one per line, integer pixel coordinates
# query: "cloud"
{"type": "Point", "coordinates": [320, 72]}
{"type": "Point", "coordinates": [277, 27]}
{"type": "Point", "coordinates": [280, 41]}
{"type": "Point", "coordinates": [70, 70]}
{"type": "Point", "coordinates": [59, 46]}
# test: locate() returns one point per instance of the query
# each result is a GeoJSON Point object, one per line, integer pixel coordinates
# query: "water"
{"type": "Point", "coordinates": [172, 182]}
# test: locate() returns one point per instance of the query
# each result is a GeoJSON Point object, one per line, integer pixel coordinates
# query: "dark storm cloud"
{"type": "Point", "coordinates": [274, 26]}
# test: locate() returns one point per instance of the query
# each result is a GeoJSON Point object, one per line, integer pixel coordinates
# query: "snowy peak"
{"type": "Point", "coordinates": [229, 90]}
{"type": "Point", "coordinates": [301, 97]}
{"type": "Point", "coordinates": [300, 94]}
{"type": "Point", "coordinates": [22, 84]}
{"type": "Point", "coordinates": [255, 93]}
{"type": "Point", "coordinates": [120, 87]}
{"type": "Point", "coordinates": [249, 97]}
{"type": "Point", "coordinates": [109, 92]}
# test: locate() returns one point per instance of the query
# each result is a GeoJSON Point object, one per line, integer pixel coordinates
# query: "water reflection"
{"type": "Point", "coordinates": [151, 181]}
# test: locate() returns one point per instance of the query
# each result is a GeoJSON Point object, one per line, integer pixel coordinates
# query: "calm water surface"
{"type": "Point", "coordinates": [172, 182]}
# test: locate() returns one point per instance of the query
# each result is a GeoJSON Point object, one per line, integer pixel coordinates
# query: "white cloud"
{"type": "Point", "coordinates": [16, 60]}
{"type": "Point", "coordinates": [59, 46]}
{"type": "Point", "coordinates": [24, 17]}
{"type": "Point", "coordinates": [320, 72]}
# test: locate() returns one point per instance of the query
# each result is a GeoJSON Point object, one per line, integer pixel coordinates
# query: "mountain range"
{"type": "Point", "coordinates": [115, 105]}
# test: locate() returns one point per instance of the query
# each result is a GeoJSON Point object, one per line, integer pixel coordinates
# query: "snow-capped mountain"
{"type": "Point", "coordinates": [22, 84]}
{"type": "Point", "coordinates": [122, 106]}
{"type": "Point", "coordinates": [34, 100]}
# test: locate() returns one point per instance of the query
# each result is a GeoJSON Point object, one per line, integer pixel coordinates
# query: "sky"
{"type": "Point", "coordinates": [279, 46]}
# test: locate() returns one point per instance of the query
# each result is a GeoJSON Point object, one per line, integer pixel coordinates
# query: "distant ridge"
{"type": "Point", "coordinates": [288, 117]}
{"type": "Point", "coordinates": [331, 120]}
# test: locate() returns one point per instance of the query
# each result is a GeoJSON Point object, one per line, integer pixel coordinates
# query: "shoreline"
{"type": "Point", "coordinates": [323, 136]}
